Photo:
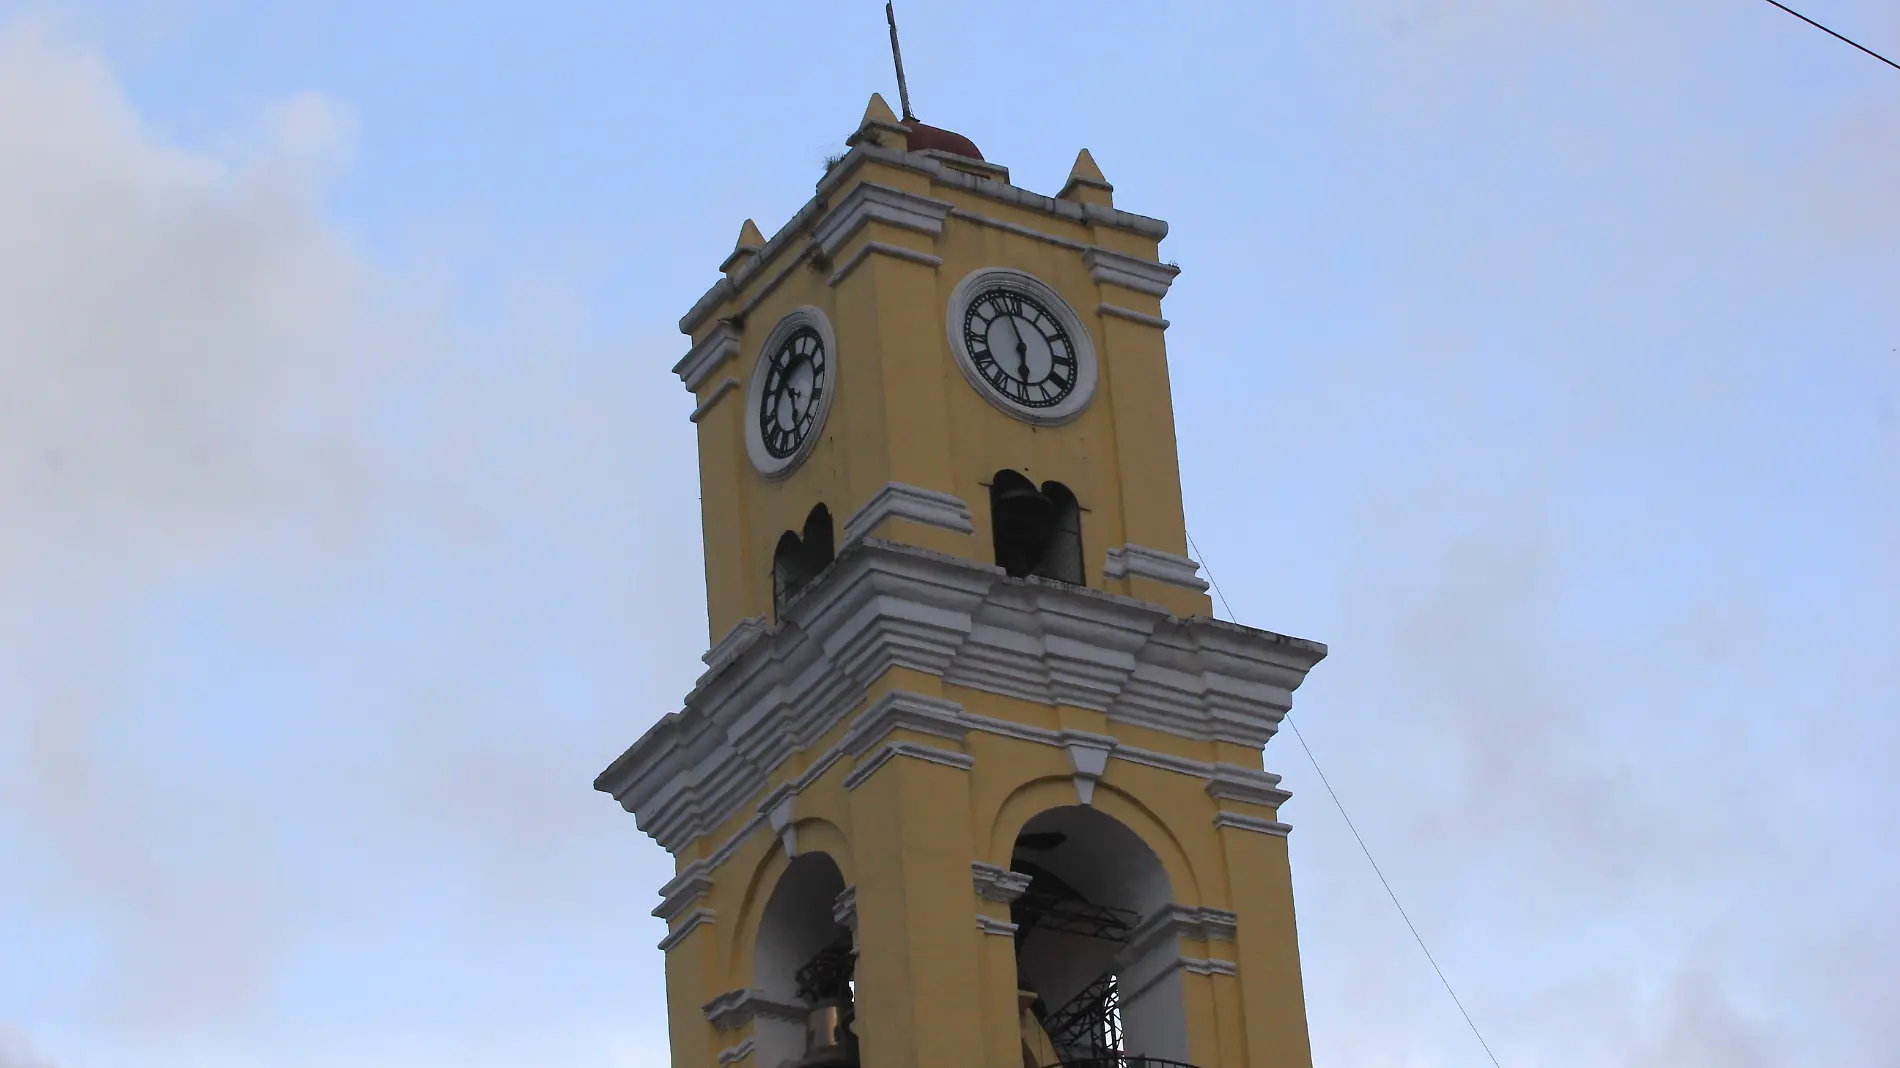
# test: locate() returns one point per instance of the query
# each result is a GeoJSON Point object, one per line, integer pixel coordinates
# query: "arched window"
{"type": "Point", "coordinates": [803, 961]}
{"type": "Point", "coordinates": [798, 560]}
{"type": "Point", "coordinates": [1036, 531]}
{"type": "Point", "coordinates": [1104, 982]}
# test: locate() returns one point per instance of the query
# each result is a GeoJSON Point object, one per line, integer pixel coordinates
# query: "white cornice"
{"type": "Point", "coordinates": [719, 392]}
{"type": "Point", "coordinates": [778, 690]}
{"type": "Point", "coordinates": [1132, 315]}
{"type": "Point", "coordinates": [736, 1008]}
{"type": "Point", "coordinates": [704, 358]}
{"type": "Point", "coordinates": [870, 202]}
{"type": "Point", "coordinates": [1230, 782]}
{"type": "Point", "coordinates": [1130, 272]}
{"type": "Point", "coordinates": [687, 926]}
{"type": "Point", "coordinates": [914, 503]}
{"type": "Point", "coordinates": [688, 886]}
{"type": "Point", "coordinates": [735, 1053]}
{"type": "Point", "coordinates": [881, 248]}
{"type": "Point", "coordinates": [1155, 564]}
{"type": "Point", "coordinates": [792, 234]}
{"type": "Point", "coordinates": [1256, 824]}
{"type": "Point", "coordinates": [929, 754]}
{"type": "Point", "coordinates": [997, 884]}
{"type": "Point", "coordinates": [993, 926]}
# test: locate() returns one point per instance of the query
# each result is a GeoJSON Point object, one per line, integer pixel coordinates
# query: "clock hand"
{"type": "Point", "coordinates": [1022, 349]}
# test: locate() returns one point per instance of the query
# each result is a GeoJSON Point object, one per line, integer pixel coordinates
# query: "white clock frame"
{"type": "Point", "coordinates": [1034, 288]}
{"type": "Point", "coordinates": [762, 459]}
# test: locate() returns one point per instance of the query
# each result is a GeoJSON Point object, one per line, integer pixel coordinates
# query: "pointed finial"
{"type": "Point", "coordinates": [749, 243]}
{"type": "Point", "coordinates": [1086, 185]}
{"type": "Point", "coordinates": [878, 111]}
{"type": "Point", "coordinates": [880, 127]}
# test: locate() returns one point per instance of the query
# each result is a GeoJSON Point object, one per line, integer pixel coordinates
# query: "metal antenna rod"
{"type": "Point", "coordinates": [897, 55]}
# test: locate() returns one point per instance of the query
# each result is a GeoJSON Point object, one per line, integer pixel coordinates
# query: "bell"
{"type": "Point", "coordinates": [829, 1042]}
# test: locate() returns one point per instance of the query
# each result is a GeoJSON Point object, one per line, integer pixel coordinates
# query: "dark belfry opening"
{"type": "Point", "coordinates": [1099, 989]}
{"type": "Point", "coordinates": [798, 560]}
{"type": "Point", "coordinates": [803, 960]}
{"type": "Point", "coordinates": [1037, 531]}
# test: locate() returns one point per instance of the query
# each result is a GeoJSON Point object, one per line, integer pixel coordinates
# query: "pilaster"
{"type": "Point", "coordinates": [918, 974]}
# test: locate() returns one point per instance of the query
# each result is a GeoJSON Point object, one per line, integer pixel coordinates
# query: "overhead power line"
{"type": "Point", "coordinates": [1357, 837]}
{"type": "Point", "coordinates": [1831, 33]}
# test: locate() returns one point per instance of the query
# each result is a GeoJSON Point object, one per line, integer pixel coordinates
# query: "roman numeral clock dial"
{"type": "Point", "coordinates": [1019, 348]}
{"type": "Point", "coordinates": [1022, 346]}
{"type": "Point", "coordinates": [790, 392]}
{"type": "Point", "coordinates": [794, 388]}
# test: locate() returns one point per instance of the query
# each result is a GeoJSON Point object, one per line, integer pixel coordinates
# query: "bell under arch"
{"type": "Point", "coordinates": [1103, 983]}
{"type": "Point", "coordinates": [803, 960]}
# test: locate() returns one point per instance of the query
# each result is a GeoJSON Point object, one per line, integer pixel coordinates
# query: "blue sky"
{"type": "Point", "coordinates": [1540, 358]}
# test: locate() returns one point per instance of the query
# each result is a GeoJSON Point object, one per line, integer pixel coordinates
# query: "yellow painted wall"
{"type": "Point", "coordinates": [903, 412]}
{"type": "Point", "coordinates": [933, 989]}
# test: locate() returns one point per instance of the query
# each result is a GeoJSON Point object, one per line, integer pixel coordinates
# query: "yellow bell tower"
{"type": "Point", "coordinates": [972, 778]}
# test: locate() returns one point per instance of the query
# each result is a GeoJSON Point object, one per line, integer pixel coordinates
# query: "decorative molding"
{"type": "Point", "coordinates": [778, 810]}
{"type": "Point", "coordinates": [1176, 921]}
{"type": "Point", "coordinates": [732, 1055]}
{"type": "Point", "coordinates": [1088, 759]}
{"type": "Point", "coordinates": [844, 912]}
{"type": "Point", "coordinates": [1132, 315]}
{"type": "Point", "coordinates": [1210, 966]}
{"type": "Point", "coordinates": [997, 884]}
{"type": "Point", "coordinates": [993, 926]}
{"type": "Point", "coordinates": [1020, 231]}
{"type": "Point", "coordinates": [736, 1008]}
{"type": "Point", "coordinates": [687, 926]}
{"type": "Point", "coordinates": [928, 754]}
{"type": "Point", "coordinates": [1252, 823]}
{"type": "Point", "coordinates": [704, 358]}
{"type": "Point", "coordinates": [699, 411]}
{"type": "Point", "coordinates": [770, 692]}
{"type": "Point", "coordinates": [691, 884]}
{"type": "Point", "coordinates": [1130, 272]}
{"type": "Point", "coordinates": [904, 710]}
{"type": "Point", "coordinates": [1132, 559]}
{"type": "Point", "coordinates": [870, 202]}
{"type": "Point", "coordinates": [882, 248]}
{"type": "Point", "coordinates": [1250, 786]}
{"type": "Point", "coordinates": [897, 500]}
{"type": "Point", "coordinates": [728, 647]}
{"type": "Point", "coordinates": [791, 235]}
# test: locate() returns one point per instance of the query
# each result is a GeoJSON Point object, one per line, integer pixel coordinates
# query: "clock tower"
{"type": "Point", "coordinates": [972, 777]}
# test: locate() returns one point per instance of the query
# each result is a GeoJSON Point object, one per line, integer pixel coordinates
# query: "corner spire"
{"type": "Point", "coordinates": [749, 243]}
{"type": "Point", "coordinates": [1086, 185]}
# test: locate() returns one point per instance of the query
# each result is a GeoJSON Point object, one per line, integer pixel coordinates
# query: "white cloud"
{"type": "Point", "coordinates": [389, 526]}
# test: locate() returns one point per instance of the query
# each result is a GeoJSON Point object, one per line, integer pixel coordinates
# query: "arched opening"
{"type": "Point", "coordinates": [798, 560]}
{"type": "Point", "coordinates": [803, 958]}
{"type": "Point", "coordinates": [1102, 984]}
{"type": "Point", "coordinates": [1036, 531]}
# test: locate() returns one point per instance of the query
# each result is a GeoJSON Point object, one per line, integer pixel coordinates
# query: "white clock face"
{"type": "Point", "coordinates": [792, 384]}
{"type": "Point", "coordinates": [1021, 346]}
{"type": "Point", "coordinates": [794, 391]}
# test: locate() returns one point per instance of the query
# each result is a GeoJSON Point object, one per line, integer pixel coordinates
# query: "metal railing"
{"type": "Point", "coordinates": [1120, 1061]}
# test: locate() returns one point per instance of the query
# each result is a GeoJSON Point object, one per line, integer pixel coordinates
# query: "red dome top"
{"type": "Point", "coordinates": [924, 137]}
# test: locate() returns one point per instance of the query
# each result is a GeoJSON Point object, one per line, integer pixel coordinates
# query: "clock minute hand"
{"type": "Point", "coordinates": [1022, 349]}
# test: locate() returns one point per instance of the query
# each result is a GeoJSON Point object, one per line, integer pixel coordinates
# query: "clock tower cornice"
{"type": "Point", "coordinates": [1079, 224]}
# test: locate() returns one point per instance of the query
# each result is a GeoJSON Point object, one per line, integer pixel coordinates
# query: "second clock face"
{"type": "Point", "coordinates": [1020, 348]}
{"type": "Point", "coordinates": [791, 401]}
